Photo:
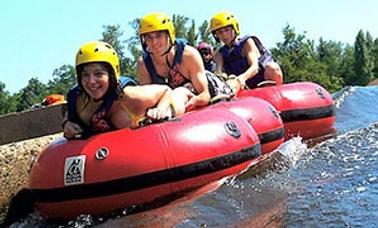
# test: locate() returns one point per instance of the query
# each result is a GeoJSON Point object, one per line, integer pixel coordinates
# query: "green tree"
{"type": "Point", "coordinates": [12, 102]}
{"type": "Point", "coordinates": [294, 54]}
{"type": "Point", "coordinates": [374, 53]}
{"type": "Point", "coordinates": [362, 67]}
{"type": "Point", "coordinates": [370, 55]}
{"type": "Point", "coordinates": [63, 79]}
{"type": "Point", "coordinates": [300, 60]}
{"type": "Point", "coordinates": [33, 93]}
{"type": "Point", "coordinates": [7, 102]}
{"type": "Point", "coordinates": [112, 35]}
{"type": "Point", "coordinates": [192, 35]}
{"type": "Point", "coordinates": [330, 54]}
{"type": "Point", "coordinates": [179, 23]}
{"type": "Point", "coordinates": [134, 47]}
{"type": "Point", "coordinates": [205, 33]}
{"type": "Point", "coordinates": [347, 63]}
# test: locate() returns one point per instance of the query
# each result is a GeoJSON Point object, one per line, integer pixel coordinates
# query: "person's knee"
{"type": "Point", "coordinates": [180, 96]}
{"type": "Point", "coordinates": [273, 72]}
{"type": "Point", "coordinates": [180, 91]}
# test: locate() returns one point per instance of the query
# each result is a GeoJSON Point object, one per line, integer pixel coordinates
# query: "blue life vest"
{"type": "Point", "coordinates": [233, 61]}
{"type": "Point", "coordinates": [107, 103]}
{"type": "Point", "coordinates": [157, 79]}
{"type": "Point", "coordinates": [176, 79]}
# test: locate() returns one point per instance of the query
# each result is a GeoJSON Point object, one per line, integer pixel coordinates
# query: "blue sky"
{"type": "Point", "coordinates": [38, 36]}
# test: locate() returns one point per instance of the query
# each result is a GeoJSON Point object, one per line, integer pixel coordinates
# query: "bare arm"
{"type": "Point", "coordinates": [70, 129]}
{"type": "Point", "coordinates": [196, 73]}
{"type": "Point", "coordinates": [251, 53]}
{"type": "Point", "coordinates": [138, 101]}
{"type": "Point", "coordinates": [218, 59]}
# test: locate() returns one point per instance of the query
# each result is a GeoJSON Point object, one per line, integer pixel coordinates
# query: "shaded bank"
{"type": "Point", "coordinates": [16, 160]}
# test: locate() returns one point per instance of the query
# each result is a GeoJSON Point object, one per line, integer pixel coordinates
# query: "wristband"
{"type": "Point", "coordinates": [64, 123]}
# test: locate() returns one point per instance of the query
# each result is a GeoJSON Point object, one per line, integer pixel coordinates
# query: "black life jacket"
{"type": "Point", "coordinates": [174, 79]}
{"type": "Point", "coordinates": [233, 61]}
{"type": "Point", "coordinates": [100, 116]}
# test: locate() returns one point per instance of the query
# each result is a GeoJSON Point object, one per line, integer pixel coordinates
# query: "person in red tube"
{"type": "Point", "coordinates": [104, 101]}
{"type": "Point", "coordinates": [169, 60]}
{"type": "Point", "coordinates": [244, 57]}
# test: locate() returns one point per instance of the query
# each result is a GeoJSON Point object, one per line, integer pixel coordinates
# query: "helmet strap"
{"type": "Point", "coordinates": [168, 50]}
{"type": "Point", "coordinates": [232, 43]}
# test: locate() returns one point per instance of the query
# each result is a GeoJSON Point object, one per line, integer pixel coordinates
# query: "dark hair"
{"type": "Point", "coordinates": [113, 84]}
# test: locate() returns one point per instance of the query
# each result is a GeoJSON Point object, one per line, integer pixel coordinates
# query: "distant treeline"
{"type": "Point", "coordinates": [331, 64]}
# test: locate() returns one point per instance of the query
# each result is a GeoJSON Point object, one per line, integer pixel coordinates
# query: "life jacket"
{"type": "Point", "coordinates": [175, 78]}
{"type": "Point", "coordinates": [53, 99]}
{"type": "Point", "coordinates": [99, 121]}
{"type": "Point", "coordinates": [234, 62]}
{"type": "Point", "coordinates": [210, 66]}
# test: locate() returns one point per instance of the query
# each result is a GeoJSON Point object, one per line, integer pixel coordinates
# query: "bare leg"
{"type": "Point", "coordinates": [273, 72]}
{"type": "Point", "coordinates": [180, 96]}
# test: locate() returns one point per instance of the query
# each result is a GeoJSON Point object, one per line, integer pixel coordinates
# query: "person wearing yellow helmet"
{"type": "Point", "coordinates": [168, 60]}
{"type": "Point", "coordinates": [103, 100]}
{"type": "Point", "coordinates": [245, 56]}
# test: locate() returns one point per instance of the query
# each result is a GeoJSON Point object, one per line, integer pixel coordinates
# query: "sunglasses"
{"type": "Point", "coordinates": [205, 52]}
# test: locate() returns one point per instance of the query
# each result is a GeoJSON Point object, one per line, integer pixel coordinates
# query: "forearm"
{"type": "Point", "coordinates": [165, 100]}
{"type": "Point", "coordinates": [249, 73]}
{"type": "Point", "coordinates": [203, 99]}
{"type": "Point", "coordinates": [170, 103]}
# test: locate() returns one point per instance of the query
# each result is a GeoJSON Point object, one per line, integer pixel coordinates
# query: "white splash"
{"type": "Point", "coordinates": [293, 149]}
{"type": "Point", "coordinates": [340, 96]}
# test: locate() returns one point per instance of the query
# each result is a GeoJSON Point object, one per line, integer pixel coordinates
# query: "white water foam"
{"type": "Point", "coordinates": [341, 95]}
{"type": "Point", "coordinates": [293, 150]}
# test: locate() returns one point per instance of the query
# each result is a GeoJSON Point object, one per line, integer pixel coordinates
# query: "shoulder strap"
{"type": "Point", "coordinates": [73, 116]}
{"type": "Point", "coordinates": [74, 93]}
{"type": "Point", "coordinates": [111, 97]}
{"type": "Point", "coordinates": [224, 50]}
{"type": "Point", "coordinates": [180, 46]}
{"type": "Point", "coordinates": [126, 81]}
{"type": "Point", "coordinates": [259, 45]}
{"type": "Point", "coordinates": [244, 38]}
{"type": "Point", "coordinates": [72, 96]}
{"type": "Point", "coordinates": [151, 69]}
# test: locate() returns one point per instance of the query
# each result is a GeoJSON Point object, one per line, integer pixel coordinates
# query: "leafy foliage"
{"type": "Point", "coordinates": [63, 79]}
{"type": "Point", "coordinates": [363, 66]}
{"type": "Point", "coordinates": [33, 93]}
{"type": "Point", "coordinates": [301, 60]}
{"type": "Point", "coordinates": [7, 103]}
{"type": "Point", "coordinates": [112, 35]}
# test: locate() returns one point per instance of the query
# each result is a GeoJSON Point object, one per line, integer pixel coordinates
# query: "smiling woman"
{"type": "Point", "coordinates": [95, 80]}
{"type": "Point", "coordinates": [104, 101]}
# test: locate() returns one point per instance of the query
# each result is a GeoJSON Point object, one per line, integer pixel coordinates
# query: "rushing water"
{"type": "Point", "coordinates": [331, 184]}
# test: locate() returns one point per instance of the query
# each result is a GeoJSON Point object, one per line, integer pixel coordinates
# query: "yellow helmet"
{"type": "Point", "coordinates": [98, 51]}
{"type": "Point", "coordinates": [154, 22]}
{"type": "Point", "coordinates": [223, 19]}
